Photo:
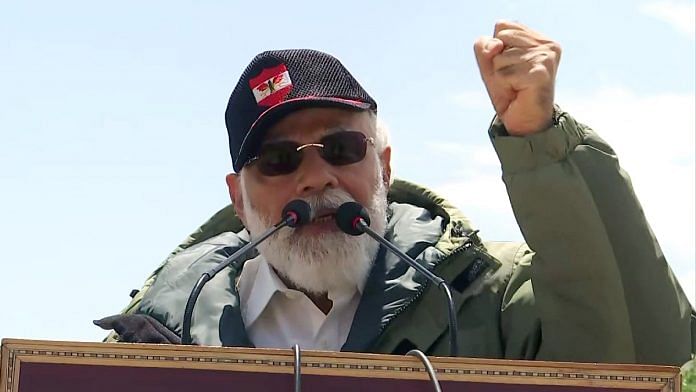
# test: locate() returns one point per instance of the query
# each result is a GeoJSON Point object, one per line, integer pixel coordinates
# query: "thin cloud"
{"type": "Point", "coordinates": [680, 15]}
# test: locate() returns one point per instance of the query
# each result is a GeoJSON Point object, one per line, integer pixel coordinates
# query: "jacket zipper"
{"type": "Point", "coordinates": [463, 248]}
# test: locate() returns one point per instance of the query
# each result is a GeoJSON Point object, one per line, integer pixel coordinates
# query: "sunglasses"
{"type": "Point", "coordinates": [338, 149]}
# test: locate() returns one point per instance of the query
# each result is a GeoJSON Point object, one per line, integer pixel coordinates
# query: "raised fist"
{"type": "Point", "coordinates": [518, 67]}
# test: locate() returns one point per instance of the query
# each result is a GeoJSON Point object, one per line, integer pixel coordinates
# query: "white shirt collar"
{"type": "Point", "coordinates": [258, 283]}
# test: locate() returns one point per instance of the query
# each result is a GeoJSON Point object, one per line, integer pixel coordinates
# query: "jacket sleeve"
{"type": "Point", "coordinates": [222, 221]}
{"type": "Point", "coordinates": [602, 289]}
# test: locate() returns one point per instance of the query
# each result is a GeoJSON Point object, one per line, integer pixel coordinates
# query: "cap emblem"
{"type": "Point", "coordinates": [271, 86]}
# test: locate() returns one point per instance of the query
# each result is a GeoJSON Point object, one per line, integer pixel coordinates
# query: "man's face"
{"type": "Point", "coordinates": [316, 257]}
{"type": "Point", "coordinates": [269, 194]}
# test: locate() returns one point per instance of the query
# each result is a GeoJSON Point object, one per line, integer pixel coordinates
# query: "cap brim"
{"type": "Point", "coordinates": [258, 129]}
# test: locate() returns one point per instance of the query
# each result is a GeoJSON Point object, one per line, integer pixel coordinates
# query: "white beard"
{"type": "Point", "coordinates": [331, 261]}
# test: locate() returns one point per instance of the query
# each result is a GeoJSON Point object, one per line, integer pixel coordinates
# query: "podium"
{"type": "Point", "coordinates": [43, 366]}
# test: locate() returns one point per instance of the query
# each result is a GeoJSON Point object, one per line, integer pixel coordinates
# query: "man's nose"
{"type": "Point", "coordinates": [314, 174]}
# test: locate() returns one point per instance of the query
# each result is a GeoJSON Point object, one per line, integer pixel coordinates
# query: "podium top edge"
{"type": "Point", "coordinates": [169, 349]}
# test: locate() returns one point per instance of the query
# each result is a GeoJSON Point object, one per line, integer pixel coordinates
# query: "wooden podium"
{"type": "Point", "coordinates": [44, 366]}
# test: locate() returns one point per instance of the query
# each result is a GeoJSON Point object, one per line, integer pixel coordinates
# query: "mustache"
{"type": "Point", "coordinates": [326, 201]}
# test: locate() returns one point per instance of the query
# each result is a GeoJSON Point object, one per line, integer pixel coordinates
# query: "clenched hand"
{"type": "Point", "coordinates": [518, 67]}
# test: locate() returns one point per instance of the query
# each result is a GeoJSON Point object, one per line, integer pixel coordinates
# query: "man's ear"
{"type": "Point", "coordinates": [385, 157]}
{"type": "Point", "coordinates": [234, 187]}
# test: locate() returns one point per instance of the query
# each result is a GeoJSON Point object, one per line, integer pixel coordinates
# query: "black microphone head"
{"type": "Point", "coordinates": [349, 215]}
{"type": "Point", "coordinates": [297, 213]}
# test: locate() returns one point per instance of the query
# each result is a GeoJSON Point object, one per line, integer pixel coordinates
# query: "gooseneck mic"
{"type": "Point", "coordinates": [295, 213]}
{"type": "Point", "coordinates": [352, 218]}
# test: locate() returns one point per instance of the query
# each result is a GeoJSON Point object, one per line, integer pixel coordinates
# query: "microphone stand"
{"type": "Point", "coordinates": [454, 346]}
{"type": "Point", "coordinates": [297, 212]}
{"type": "Point", "coordinates": [353, 219]}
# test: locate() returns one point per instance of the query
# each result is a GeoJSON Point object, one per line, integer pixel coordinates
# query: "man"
{"type": "Point", "coordinates": [591, 283]}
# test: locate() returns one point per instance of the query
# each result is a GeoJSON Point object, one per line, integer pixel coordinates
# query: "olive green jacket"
{"type": "Point", "coordinates": [590, 285]}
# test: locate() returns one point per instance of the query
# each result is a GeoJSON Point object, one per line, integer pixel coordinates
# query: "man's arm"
{"type": "Point", "coordinates": [602, 288]}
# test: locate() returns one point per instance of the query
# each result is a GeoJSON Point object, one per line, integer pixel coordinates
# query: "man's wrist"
{"type": "Point", "coordinates": [497, 127]}
{"type": "Point", "coordinates": [521, 154]}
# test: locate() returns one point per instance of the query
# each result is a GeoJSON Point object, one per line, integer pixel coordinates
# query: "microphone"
{"type": "Point", "coordinates": [353, 219]}
{"type": "Point", "coordinates": [296, 213]}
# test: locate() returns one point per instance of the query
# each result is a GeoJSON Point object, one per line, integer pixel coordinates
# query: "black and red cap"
{"type": "Point", "coordinates": [278, 82]}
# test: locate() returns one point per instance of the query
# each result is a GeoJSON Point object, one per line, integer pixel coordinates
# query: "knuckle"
{"type": "Point", "coordinates": [539, 73]}
{"type": "Point", "coordinates": [506, 34]}
{"type": "Point", "coordinates": [479, 43]}
{"type": "Point", "coordinates": [515, 52]}
{"type": "Point", "coordinates": [555, 47]}
{"type": "Point", "coordinates": [549, 62]}
{"type": "Point", "coordinates": [549, 59]}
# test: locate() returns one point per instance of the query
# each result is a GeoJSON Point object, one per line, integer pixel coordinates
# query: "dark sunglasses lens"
{"type": "Point", "coordinates": [279, 158]}
{"type": "Point", "coordinates": [344, 148]}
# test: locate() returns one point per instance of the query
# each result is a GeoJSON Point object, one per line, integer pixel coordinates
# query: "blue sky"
{"type": "Point", "coordinates": [113, 146]}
